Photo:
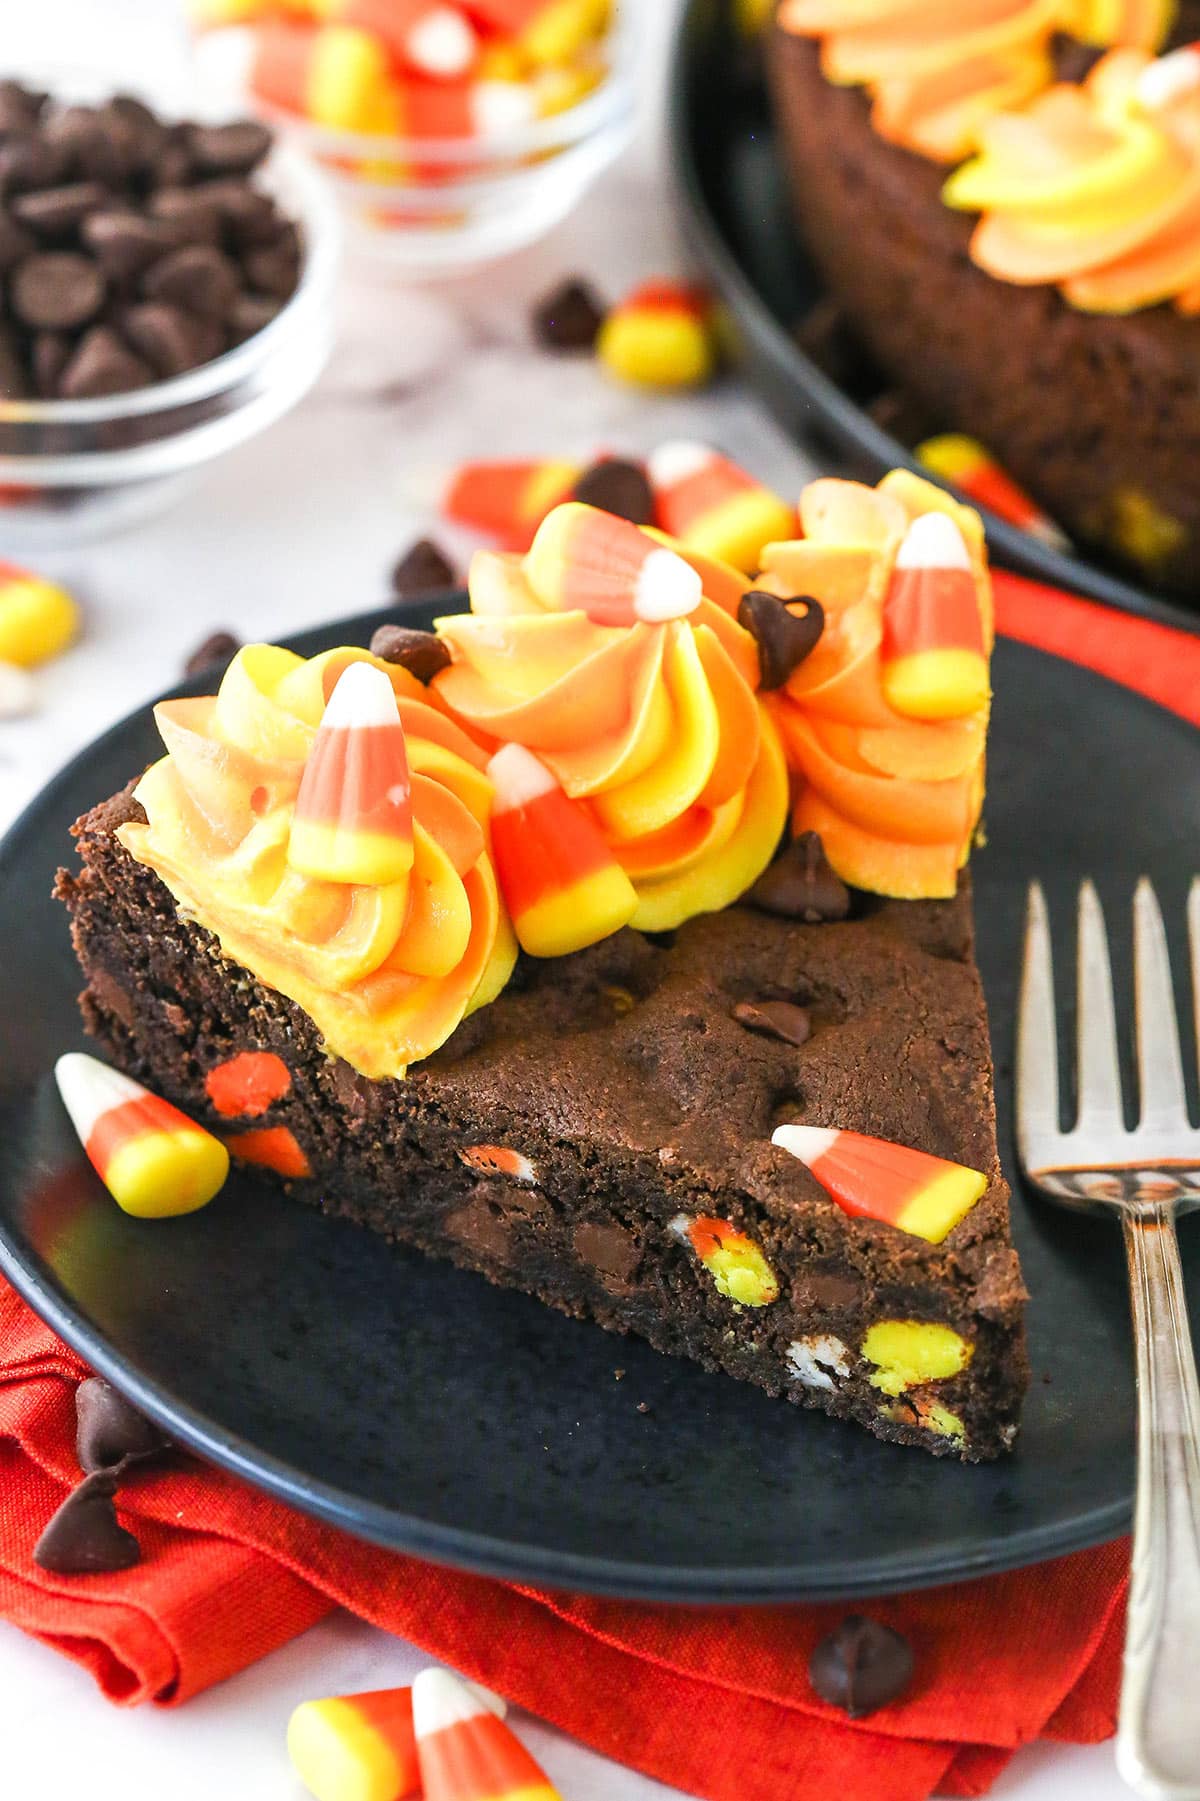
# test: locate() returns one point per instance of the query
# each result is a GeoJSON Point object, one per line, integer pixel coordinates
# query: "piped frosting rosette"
{"type": "Point", "coordinates": [331, 827]}
{"type": "Point", "coordinates": [885, 722]}
{"type": "Point", "coordinates": [1096, 188]}
{"type": "Point", "coordinates": [938, 69]}
{"type": "Point", "coordinates": [603, 657]}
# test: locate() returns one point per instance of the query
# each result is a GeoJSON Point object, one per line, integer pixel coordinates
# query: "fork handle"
{"type": "Point", "coordinates": [1158, 1734]}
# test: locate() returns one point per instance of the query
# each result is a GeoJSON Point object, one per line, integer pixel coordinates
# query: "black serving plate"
{"type": "Point", "coordinates": [415, 1405]}
{"type": "Point", "coordinates": [740, 225]}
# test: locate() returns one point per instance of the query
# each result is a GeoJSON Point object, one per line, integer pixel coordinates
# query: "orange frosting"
{"type": "Point", "coordinates": [1096, 188]}
{"type": "Point", "coordinates": [655, 727]}
{"type": "Point", "coordinates": [895, 798]}
{"type": "Point", "coordinates": [937, 70]}
{"type": "Point", "coordinates": [385, 972]}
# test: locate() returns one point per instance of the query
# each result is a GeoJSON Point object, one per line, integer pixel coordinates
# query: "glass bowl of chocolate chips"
{"type": "Point", "coordinates": [167, 293]}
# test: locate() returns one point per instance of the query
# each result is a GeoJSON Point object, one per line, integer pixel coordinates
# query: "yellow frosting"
{"type": "Point", "coordinates": [386, 973]}
{"type": "Point", "coordinates": [937, 70]}
{"type": "Point", "coordinates": [895, 799]}
{"type": "Point", "coordinates": [1096, 188]}
{"type": "Point", "coordinates": [656, 727]}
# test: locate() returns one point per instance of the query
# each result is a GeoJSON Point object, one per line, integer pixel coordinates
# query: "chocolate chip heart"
{"type": "Point", "coordinates": [108, 1429]}
{"type": "Point", "coordinates": [784, 638]}
{"type": "Point", "coordinates": [617, 487]}
{"type": "Point", "coordinates": [861, 1666]}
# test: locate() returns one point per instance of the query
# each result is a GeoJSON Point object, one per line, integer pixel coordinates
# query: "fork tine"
{"type": "Point", "coordinates": [1037, 1041]}
{"type": "Point", "coordinates": [1099, 1070]}
{"type": "Point", "coordinates": [1160, 1066]}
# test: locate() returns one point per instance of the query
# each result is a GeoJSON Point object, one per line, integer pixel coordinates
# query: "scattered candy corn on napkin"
{"type": "Point", "coordinates": [713, 1701]}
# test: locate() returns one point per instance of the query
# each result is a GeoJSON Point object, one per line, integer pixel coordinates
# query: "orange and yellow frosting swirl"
{"type": "Point", "coordinates": [386, 972]}
{"type": "Point", "coordinates": [655, 727]}
{"type": "Point", "coordinates": [896, 799]}
{"type": "Point", "coordinates": [937, 70]}
{"type": "Point", "coordinates": [1096, 188]}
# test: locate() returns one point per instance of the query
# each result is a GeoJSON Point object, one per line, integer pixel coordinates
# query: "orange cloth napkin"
{"type": "Point", "coordinates": [714, 1700]}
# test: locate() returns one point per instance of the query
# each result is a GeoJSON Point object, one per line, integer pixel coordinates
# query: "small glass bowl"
{"type": "Point", "coordinates": [75, 469]}
{"type": "Point", "coordinates": [434, 207]}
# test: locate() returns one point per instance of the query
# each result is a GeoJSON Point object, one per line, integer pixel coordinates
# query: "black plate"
{"type": "Point", "coordinates": [417, 1406]}
{"type": "Point", "coordinates": [741, 227]}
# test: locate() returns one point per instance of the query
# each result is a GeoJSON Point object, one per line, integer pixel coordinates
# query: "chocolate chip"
{"type": "Point", "coordinates": [248, 216]}
{"type": "Point", "coordinates": [57, 290]}
{"type": "Point", "coordinates": [617, 487]}
{"type": "Point", "coordinates": [49, 357]}
{"type": "Point", "coordinates": [784, 638]}
{"type": "Point", "coordinates": [273, 268]}
{"type": "Point", "coordinates": [569, 317]}
{"type": "Point", "coordinates": [57, 212]}
{"type": "Point", "coordinates": [19, 107]}
{"type": "Point", "coordinates": [101, 365]}
{"type": "Point", "coordinates": [799, 884]}
{"type": "Point", "coordinates": [775, 1019]}
{"type": "Point", "coordinates": [229, 149]}
{"type": "Point", "coordinates": [611, 1250]}
{"type": "Point", "coordinates": [197, 277]}
{"type": "Point", "coordinates": [1073, 61]}
{"type": "Point", "coordinates": [15, 241]}
{"type": "Point", "coordinates": [250, 313]}
{"type": "Point", "coordinates": [421, 653]}
{"type": "Point", "coordinates": [215, 653]}
{"type": "Point", "coordinates": [125, 243]}
{"type": "Point", "coordinates": [85, 1537]}
{"type": "Point", "coordinates": [28, 163]}
{"type": "Point", "coordinates": [108, 1429]}
{"type": "Point", "coordinates": [89, 144]}
{"type": "Point", "coordinates": [173, 166]}
{"type": "Point", "coordinates": [191, 218]}
{"type": "Point", "coordinates": [170, 339]}
{"type": "Point", "coordinates": [861, 1666]}
{"type": "Point", "coordinates": [425, 569]}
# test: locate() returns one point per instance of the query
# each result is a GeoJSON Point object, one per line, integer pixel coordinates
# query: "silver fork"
{"type": "Point", "coordinates": [1147, 1176]}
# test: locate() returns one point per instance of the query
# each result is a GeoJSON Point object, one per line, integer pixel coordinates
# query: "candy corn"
{"type": "Point", "coordinates": [272, 1147]}
{"type": "Point", "coordinates": [362, 1747]}
{"type": "Point", "coordinates": [507, 500]}
{"type": "Point", "coordinates": [734, 1262]}
{"type": "Point", "coordinates": [338, 76]}
{"type": "Point", "coordinates": [356, 1747]}
{"type": "Point", "coordinates": [584, 560]}
{"type": "Point", "coordinates": [245, 1086]}
{"type": "Point", "coordinates": [873, 1179]}
{"type": "Point", "coordinates": [37, 618]}
{"type": "Point", "coordinates": [154, 1160]}
{"type": "Point", "coordinates": [561, 883]}
{"type": "Point", "coordinates": [660, 336]}
{"type": "Point", "coordinates": [1169, 78]}
{"type": "Point", "coordinates": [712, 506]}
{"type": "Point", "coordinates": [545, 31]}
{"type": "Point", "coordinates": [465, 1752]}
{"type": "Point", "coordinates": [967, 466]}
{"type": "Point", "coordinates": [427, 36]}
{"type": "Point", "coordinates": [934, 663]}
{"type": "Point", "coordinates": [353, 818]}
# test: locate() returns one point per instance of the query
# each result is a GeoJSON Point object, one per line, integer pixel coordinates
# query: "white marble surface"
{"type": "Point", "coordinates": [293, 529]}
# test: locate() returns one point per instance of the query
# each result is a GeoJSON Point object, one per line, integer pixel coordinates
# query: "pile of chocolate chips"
{"type": "Point", "coordinates": [131, 249]}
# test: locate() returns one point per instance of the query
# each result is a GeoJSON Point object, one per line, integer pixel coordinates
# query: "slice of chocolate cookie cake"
{"type": "Point", "coordinates": [526, 984]}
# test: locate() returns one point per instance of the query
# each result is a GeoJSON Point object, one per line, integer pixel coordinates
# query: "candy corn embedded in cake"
{"type": "Point", "coordinates": [935, 663]}
{"type": "Point", "coordinates": [562, 885]}
{"type": "Point", "coordinates": [874, 1179]}
{"type": "Point", "coordinates": [508, 501]}
{"type": "Point", "coordinates": [583, 560]}
{"type": "Point", "coordinates": [154, 1160]}
{"type": "Point", "coordinates": [709, 504]}
{"type": "Point", "coordinates": [353, 819]}
{"type": "Point", "coordinates": [966, 465]}
{"type": "Point", "coordinates": [465, 1752]}
{"type": "Point", "coordinates": [660, 336]}
{"type": "Point", "coordinates": [735, 1263]}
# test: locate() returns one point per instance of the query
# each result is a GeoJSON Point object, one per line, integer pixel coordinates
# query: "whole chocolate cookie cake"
{"type": "Point", "coordinates": [1010, 217]}
{"type": "Point", "coordinates": [510, 964]}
